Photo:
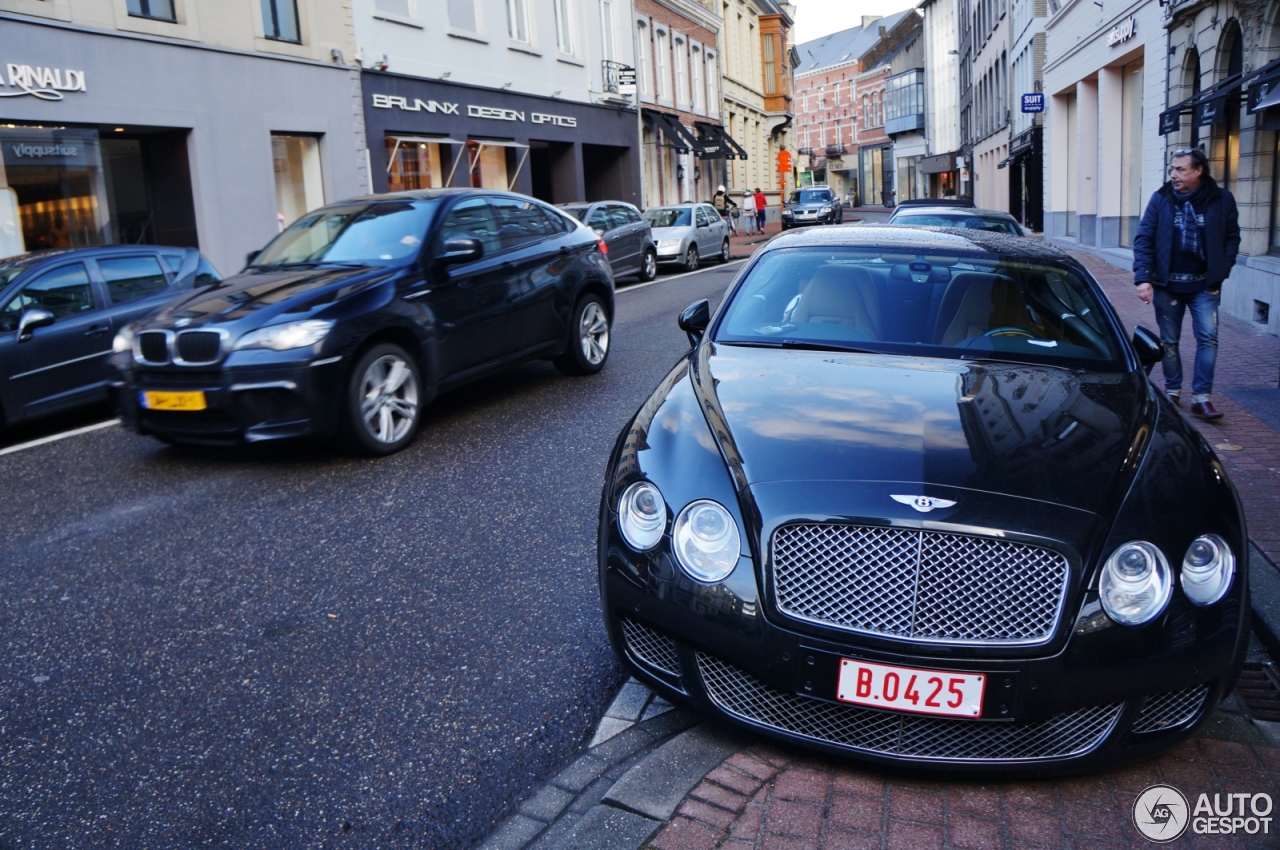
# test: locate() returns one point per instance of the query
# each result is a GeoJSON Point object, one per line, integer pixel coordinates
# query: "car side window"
{"type": "Point", "coordinates": [700, 216]}
{"type": "Point", "coordinates": [132, 278]}
{"type": "Point", "coordinates": [64, 291]}
{"type": "Point", "coordinates": [634, 215]}
{"type": "Point", "coordinates": [599, 219]}
{"type": "Point", "coordinates": [472, 219]}
{"type": "Point", "coordinates": [521, 222]}
{"type": "Point", "coordinates": [618, 218]}
{"type": "Point", "coordinates": [173, 261]}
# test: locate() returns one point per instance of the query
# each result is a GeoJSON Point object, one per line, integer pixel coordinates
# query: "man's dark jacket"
{"type": "Point", "coordinates": [1153, 246]}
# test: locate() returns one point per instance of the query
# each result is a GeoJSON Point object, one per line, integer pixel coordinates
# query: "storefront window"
{"type": "Point", "coordinates": [280, 20]}
{"type": "Point", "coordinates": [489, 165]}
{"type": "Point", "coordinates": [872, 175]}
{"type": "Point", "coordinates": [299, 187]}
{"type": "Point", "coordinates": [1273, 245]}
{"type": "Point", "coordinates": [55, 179]}
{"type": "Point", "coordinates": [160, 10]}
{"type": "Point", "coordinates": [1131, 153]}
{"type": "Point", "coordinates": [415, 164]}
{"type": "Point", "coordinates": [911, 180]}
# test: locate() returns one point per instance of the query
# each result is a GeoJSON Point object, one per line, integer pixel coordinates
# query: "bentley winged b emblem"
{"type": "Point", "coordinates": [923, 504]}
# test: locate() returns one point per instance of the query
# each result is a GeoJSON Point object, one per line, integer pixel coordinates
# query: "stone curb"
{"type": "Point", "coordinates": [1264, 585]}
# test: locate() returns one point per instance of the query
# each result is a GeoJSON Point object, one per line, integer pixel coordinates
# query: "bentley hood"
{"type": "Point", "coordinates": [1014, 430]}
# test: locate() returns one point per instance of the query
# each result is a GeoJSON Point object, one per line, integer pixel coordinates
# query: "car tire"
{"type": "Point", "coordinates": [383, 401]}
{"type": "Point", "coordinates": [649, 265]}
{"type": "Point", "coordinates": [691, 259]}
{"type": "Point", "coordinates": [589, 334]}
{"type": "Point", "coordinates": [725, 255]}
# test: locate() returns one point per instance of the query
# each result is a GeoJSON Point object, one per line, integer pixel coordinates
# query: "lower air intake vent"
{"type": "Point", "coordinates": [1069, 734]}
{"type": "Point", "coordinates": [1166, 711]}
{"type": "Point", "coordinates": [650, 648]}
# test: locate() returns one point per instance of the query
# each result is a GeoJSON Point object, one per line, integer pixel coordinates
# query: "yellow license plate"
{"type": "Point", "coordinates": [173, 401]}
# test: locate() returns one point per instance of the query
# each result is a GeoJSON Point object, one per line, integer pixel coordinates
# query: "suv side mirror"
{"type": "Point", "coordinates": [32, 319]}
{"type": "Point", "coordinates": [1148, 347]}
{"type": "Point", "coordinates": [250, 257]}
{"type": "Point", "coordinates": [694, 320]}
{"type": "Point", "coordinates": [461, 251]}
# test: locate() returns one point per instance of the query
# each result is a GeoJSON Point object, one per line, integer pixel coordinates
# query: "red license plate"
{"type": "Point", "coordinates": [907, 689]}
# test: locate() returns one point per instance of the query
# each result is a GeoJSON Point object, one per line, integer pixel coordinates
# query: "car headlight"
{"type": "Point", "coordinates": [1207, 569]}
{"type": "Point", "coordinates": [668, 244]}
{"type": "Point", "coordinates": [287, 336]}
{"type": "Point", "coordinates": [825, 211]}
{"type": "Point", "coordinates": [642, 516]}
{"type": "Point", "coordinates": [123, 341]}
{"type": "Point", "coordinates": [786, 212]}
{"type": "Point", "coordinates": [1136, 583]}
{"type": "Point", "coordinates": [706, 542]}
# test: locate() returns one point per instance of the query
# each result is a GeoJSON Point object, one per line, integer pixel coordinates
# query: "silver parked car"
{"type": "Point", "coordinates": [685, 233]}
{"type": "Point", "coordinates": [625, 233]}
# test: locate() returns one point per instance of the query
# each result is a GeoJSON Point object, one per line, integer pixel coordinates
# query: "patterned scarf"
{"type": "Point", "coordinates": [1189, 239]}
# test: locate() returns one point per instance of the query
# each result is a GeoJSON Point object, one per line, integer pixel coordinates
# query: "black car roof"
{"type": "Point", "coordinates": [924, 240]}
{"type": "Point", "coordinates": [956, 211]}
{"type": "Point", "coordinates": [33, 257]}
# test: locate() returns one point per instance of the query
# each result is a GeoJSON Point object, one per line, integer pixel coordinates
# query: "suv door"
{"type": "Point", "coordinates": [535, 261]}
{"type": "Point", "coordinates": [469, 301]}
{"type": "Point", "coordinates": [63, 364]}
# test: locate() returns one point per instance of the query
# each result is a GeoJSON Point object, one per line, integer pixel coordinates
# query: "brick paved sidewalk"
{"type": "Point", "coordinates": [1248, 359]}
{"type": "Point", "coordinates": [765, 798]}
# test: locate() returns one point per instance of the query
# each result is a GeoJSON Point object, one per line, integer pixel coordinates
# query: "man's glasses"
{"type": "Point", "coordinates": [1185, 151]}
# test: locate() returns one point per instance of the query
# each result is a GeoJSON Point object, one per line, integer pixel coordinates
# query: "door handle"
{"type": "Point", "coordinates": [95, 330]}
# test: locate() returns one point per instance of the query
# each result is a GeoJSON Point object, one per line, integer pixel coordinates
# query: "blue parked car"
{"type": "Point", "coordinates": [60, 309]}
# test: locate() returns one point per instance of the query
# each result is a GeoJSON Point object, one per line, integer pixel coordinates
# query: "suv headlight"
{"type": "Point", "coordinates": [287, 336]}
{"type": "Point", "coordinates": [706, 541]}
{"type": "Point", "coordinates": [1135, 584]}
{"type": "Point", "coordinates": [1207, 569]}
{"type": "Point", "coordinates": [825, 210]}
{"type": "Point", "coordinates": [123, 341]}
{"type": "Point", "coordinates": [786, 212]}
{"type": "Point", "coordinates": [642, 516]}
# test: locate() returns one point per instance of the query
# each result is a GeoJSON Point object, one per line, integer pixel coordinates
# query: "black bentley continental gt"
{"type": "Point", "coordinates": [361, 312]}
{"type": "Point", "coordinates": [911, 497]}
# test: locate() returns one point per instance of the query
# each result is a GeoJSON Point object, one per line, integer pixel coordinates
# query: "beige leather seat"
{"type": "Point", "coordinates": [981, 302]}
{"type": "Point", "coordinates": [838, 295]}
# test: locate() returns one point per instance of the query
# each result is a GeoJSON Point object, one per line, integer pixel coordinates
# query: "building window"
{"type": "Point", "coordinates": [713, 85]}
{"type": "Point", "coordinates": [663, 52]}
{"type": "Point", "coordinates": [643, 48]}
{"type": "Point", "coordinates": [682, 72]}
{"type": "Point", "coordinates": [299, 187]}
{"type": "Point", "coordinates": [695, 79]}
{"type": "Point", "coordinates": [518, 20]}
{"type": "Point", "coordinates": [158, 10]}
{"type": "Point", "coordinates": [607, 24]}
{"type": "Point", "coordinates": [564, 27]}
{"type": "Point", "coordinates": [462, 15]}
{"type": "Point", "coordinates": [280, 20]}
{"type": "Point", "coordinates": [770, 72]}
{"type": "Point", "coordinates": [866, 111]}
{"type": "Point", "coordinates": [396, 7]}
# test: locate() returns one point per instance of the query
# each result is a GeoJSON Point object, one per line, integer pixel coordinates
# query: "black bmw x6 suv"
{"type": "Point", "coordinates": [361, 312]}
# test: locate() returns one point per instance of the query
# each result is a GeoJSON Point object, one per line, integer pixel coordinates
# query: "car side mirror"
{"type": "Point", "coordinates": [704, 224]}
{"type": "Point", "coordinates": [462, 250]}
{"type": "Point", "coordinates": [31, 320]}
{"type": "Point", "coordinates": [1148, 347]}
{"type": "Point", "coordinates": [694, 320]}
{"type": "Point", "coordinates": [250, 257]}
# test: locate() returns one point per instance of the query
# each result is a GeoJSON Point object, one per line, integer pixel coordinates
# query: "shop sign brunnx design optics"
{"type": "Point", "coordinates": [39, 82]}
{"type": "Point", "coordinates": [391, 101]}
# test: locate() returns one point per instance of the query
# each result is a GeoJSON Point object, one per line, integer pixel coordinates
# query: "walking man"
{"type": "Point", "coordinates": [749, 212]}
{"type": "Point", "coordinates": [761, 207]}
{"type": "Point", "coordinates": [1185, 248]}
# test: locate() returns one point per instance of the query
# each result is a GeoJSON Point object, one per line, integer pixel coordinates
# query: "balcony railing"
{"type": "Point", "coordinates": [805, 151]}
{"type": "Point", "coordinates": [835, 150]}
{"type": "Point", "coordinates": [610, 74]}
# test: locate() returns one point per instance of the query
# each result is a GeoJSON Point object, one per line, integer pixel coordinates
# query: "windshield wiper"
{"type": "Point", "coordinates": [310, 264]}
{"type": "Point", "coordinates": [801, 345]}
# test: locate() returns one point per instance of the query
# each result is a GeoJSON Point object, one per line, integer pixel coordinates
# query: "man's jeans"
{"type": "Point", "coordinates": [1170, 308]}
{"type": "Point", "coordinates": [749, 221]}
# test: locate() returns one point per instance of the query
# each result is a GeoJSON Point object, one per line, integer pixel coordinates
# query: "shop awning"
{"type": "Point", "coordinates": [1264, 91]}
{"type": "Point", "coordinates": [1209, 106]}
{"type": "Point", "coordinates": [940, 164]}
{"type": "Point", "coordinates": [416, 140]}
{"type": "Point", "coordinates": [1171, 118]}
{"type": "Point", "coordinates": [679, 137]}
{"type": "Point", "coordinates": [716, 143]}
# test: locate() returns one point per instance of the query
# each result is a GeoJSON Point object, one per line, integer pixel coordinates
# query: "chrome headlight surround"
{"type": "Point", "coordinates": [1136, 583]}
{"type": "Point", "coordinates": [706, 541]}
{"type": "Point", "coordinates": [1207, 569]}
{"type": "Point", "coordinates": [668, 244]}
{"type": "Point", "coordinates": [123, 341]}
{"type": "Point", "coordinates": [286, 337]}
{"type": "Point", "coordinates": [642, 516]}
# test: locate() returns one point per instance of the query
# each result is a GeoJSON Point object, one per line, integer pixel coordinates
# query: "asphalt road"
{"type": "Point", "coordinates": [284, 647]}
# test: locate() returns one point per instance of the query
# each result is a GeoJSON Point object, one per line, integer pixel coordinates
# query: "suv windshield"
{"type": "Point", "coordinates": [961, 305]}
{"type": "Point", "coordinates": [811, 196]}
{"type": "Point", "coordinates": [960, 220]}
{"type": "Point", "coordinates": [667, 217]}
{"type": "Point", "coordinates": [375, 234]}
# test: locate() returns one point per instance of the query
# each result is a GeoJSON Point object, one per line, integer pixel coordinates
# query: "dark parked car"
{"type": "Point", "coordinates": [959, 217]}
{"type": "Point", "coordinates": [911, 497]}
{"type": "Point", "coordinates": [625, 233]}
{"type": "Point", "coordinates": [361, 312]}
{"type": "Point", "coordinates": [813, 205]}
{"type": "Point", "coordinates": [59, 310]}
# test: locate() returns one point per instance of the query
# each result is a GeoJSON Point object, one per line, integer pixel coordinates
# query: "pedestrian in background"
{"type": "Point", "coordinates": [761, 207]}
{"type": "Point", "coordinates": [724, 204]}
{"type": "Point", "coordinates": [1185, 248]}
{"type": "Point", "coordinates": [749, 212]}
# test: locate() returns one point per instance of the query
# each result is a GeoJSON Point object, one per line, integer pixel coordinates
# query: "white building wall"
{"type": "Point", "coordinates": [426, 43]}
{"type": "Point", "coordinates": [941, 76]}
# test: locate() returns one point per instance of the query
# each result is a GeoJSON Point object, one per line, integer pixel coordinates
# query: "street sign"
{"type": "Point", "coordinates": [626, 80]}
{"type": "Point", "coordinates": [784, 161]}
{"type": "Point", "coordinates": [1033, 102]}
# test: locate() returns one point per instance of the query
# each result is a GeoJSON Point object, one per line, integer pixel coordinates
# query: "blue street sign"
{"type": "Point", "coordinates": [1033, 102]}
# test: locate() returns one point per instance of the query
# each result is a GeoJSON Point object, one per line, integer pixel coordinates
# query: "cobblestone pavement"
{"type": "Point", "coordinates": [765, 798]}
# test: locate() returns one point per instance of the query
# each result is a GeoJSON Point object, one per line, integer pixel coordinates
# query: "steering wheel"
{"type": "Point", "coordinates": [1009, 330]}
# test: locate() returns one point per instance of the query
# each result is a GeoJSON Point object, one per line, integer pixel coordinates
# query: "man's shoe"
{"type": "Point", "coordinates": [1175, 398]}
{"type": "Point", "coordinates": [1204, 409]}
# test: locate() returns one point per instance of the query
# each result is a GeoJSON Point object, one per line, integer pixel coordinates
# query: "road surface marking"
{"type": "Point", "coordinates": [53, 438]}
{"type": "Point", "coordinates": [677, 276]}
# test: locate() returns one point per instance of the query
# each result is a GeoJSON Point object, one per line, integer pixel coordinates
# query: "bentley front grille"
{"type": "Point", "coordinates": [739, 693]}
{"type": "Point", "coordinates": [1167, 711]}
{"type": "Point", "coordinates": [919, 585]}
{"type": "Point", "coordinates": [650, 648]}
